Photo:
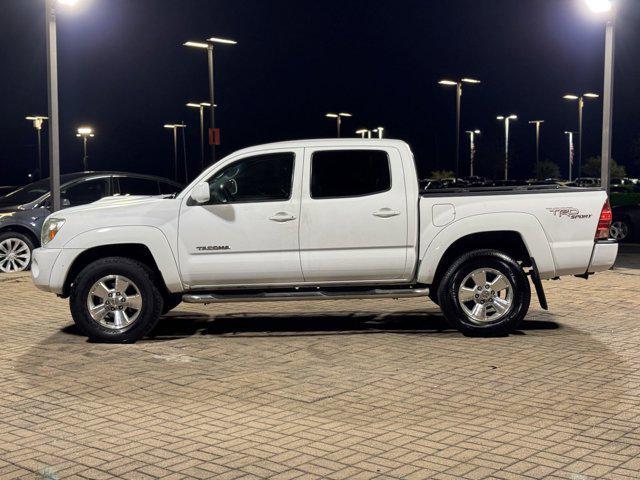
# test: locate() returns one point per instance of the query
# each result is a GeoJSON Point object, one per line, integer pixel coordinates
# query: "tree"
{"type": "Point", "coordinates": [547, 169]}
{"type": "Point", "coordinates": [442, 174]}
{"type": "Point", "coordinates": [635, 155]}
{"type": "Point", "coordinates": [592, 166]}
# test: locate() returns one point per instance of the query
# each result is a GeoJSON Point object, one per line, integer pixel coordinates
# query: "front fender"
{"type": "Point", "coordinates": [151, 237]}
{"type": "Point", "coordinates": [524, 224]}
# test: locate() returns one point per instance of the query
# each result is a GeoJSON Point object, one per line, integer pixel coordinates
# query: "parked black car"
{"type": "Point", "coordinates": [625, 226]}
{"type": "Point", "coordinates": [4, 189]}
{"type": "Point", "coordinates": [22, 212]}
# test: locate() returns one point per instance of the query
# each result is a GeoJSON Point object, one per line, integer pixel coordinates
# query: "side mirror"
{"type": "Point", "coordinates": [201, 193]}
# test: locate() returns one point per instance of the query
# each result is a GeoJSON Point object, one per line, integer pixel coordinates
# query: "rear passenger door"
{"type": "Point", "coordinates": [353, 223]}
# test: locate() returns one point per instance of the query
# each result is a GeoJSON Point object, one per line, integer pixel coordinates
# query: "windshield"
{"type": "Point", "coordinates": [26, 194]}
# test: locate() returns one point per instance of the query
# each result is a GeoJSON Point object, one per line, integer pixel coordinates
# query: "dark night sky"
{"type": "Point", "coordinates": [123, 70]}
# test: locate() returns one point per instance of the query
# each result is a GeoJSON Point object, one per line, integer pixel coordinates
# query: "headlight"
{"type": "Point", "coordinates": [50, 229]}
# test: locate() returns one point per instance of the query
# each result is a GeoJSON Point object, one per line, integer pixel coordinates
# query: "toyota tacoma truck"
{"type": "Point", "coordinates": [320, 219]}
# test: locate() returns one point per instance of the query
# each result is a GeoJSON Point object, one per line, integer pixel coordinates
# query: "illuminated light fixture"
{"type": "Point", "coordinates": [599, 6]}
{"type": "Point", "coordinates": [570, 97]}
{"type": "Point", "coordinates": [196, 44]}
{"type": "Point", "coordinates": [198, 105]}
{"type": "Point", "coordinates": [592, 95]}
{"type": "Point", "coordinates": [447, 82]}
{"type": "Point", "coordinates": [68, 2]}
{"type": "Point", "coordinates": [470, 80]}
{"type": "Point", "coordinates": [85, 131]}
{"type": "Point", "coordinates": [221, 40]}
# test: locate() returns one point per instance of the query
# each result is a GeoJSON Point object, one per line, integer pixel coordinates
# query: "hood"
{"type": "Point", "coordinates": [111, 202]}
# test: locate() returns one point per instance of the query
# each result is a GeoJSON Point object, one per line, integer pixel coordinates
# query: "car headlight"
{"type": "Point", "coordinates": [50, 229]}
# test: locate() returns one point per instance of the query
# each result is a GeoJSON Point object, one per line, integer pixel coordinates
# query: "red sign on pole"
{"type": "Point", "coordinates": [214, 136]}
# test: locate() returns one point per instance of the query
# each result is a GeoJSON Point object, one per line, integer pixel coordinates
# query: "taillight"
{"type": "Point", "coordinates": [604, 223]}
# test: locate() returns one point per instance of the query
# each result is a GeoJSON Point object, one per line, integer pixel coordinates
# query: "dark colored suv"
{"type": "Point", "coordinates": [22, 212]}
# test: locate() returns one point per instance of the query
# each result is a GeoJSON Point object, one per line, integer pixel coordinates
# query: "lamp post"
{"type": "Point", "coordinates": [175, 127]}
{"type": "Point", "coordinates": [506, 120]}
{"type": "Point", "coordinates": [209, 47]}
{"type": "Point", "coordinates": [38, 120]}
{"type": "Point", "coordinates": [571, 152]}
{"type": "Point", "coordinates": [52, 96]}
{"type": "Point", "coordinates": [338, 117]}
{"type": "Point", "coordinates": [537, 123]}
{"type": "Point", "coordinates": [458, 85]}
{"type": "Point", "coordinates": [580, 100]}
{"type": "Point", "coordinates": [472, 149]}
{"type": "Point", "coordinates": [607, 8]}
{"type": "Point", "coordinates": [379, 131]}
{"type": "Point", "coordinates": [85, 133]}
{"type": "Point", "coordinates": [201, 107]}
{"type": "Point", "coordinates": [364, 133]}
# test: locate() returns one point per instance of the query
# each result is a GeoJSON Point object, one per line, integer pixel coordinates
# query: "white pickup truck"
{"type": "Point", "coordinates": [320, 219]}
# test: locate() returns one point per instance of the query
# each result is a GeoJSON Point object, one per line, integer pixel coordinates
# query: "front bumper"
{"type": "Point", "coordinates": [43, 261]}
{"type": "Point", "coordinates": [603, 256]}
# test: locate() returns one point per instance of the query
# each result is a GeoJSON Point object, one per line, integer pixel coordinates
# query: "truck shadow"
{"type": "Point", "coordinates": [182, 324]}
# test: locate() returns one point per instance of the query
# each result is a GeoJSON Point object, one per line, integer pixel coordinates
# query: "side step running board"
{"type": "Point", "coordinates": [265, 296]}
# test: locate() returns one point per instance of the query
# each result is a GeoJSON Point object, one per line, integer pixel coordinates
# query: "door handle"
{"type": "Point", "coordinates": [282, 217]}
{"type": "Point", "coordinates": [386, 213]}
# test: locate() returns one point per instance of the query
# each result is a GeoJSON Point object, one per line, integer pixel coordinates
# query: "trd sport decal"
{"type": "Point", "coordinates": [569, 212]}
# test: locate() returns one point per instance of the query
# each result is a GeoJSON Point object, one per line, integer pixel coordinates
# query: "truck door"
{"type": "Point", "coordinates": [249, 235]}
{"type": "Point", "coordinates": [353, 224]}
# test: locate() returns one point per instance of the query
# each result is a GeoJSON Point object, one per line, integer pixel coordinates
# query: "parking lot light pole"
{"type": "Point", "coordinates": [85, 133]}
{"type": "Point", "coordinates": [506, 120]}
{"type": "Point", "coordinates": [38, 120]}
{"type": "Point", "coordinates": [571, 152]}
{"type": "Point", "coordinates": [175, 127]}
{"type": "Point", "coordinates": [458, 85]}
{"type": "Point", "coordinates": [364, 133]}
{"type": "Point", "coordinates": [379, 131]}
{"type": "Point", "coordinates": [472, 149]}
{"type": "Point", "coordinates": [580, 100]}
{"type": "Point", "coordinates": [338, 117]}
{"type": "Point", "coordinates": [201, 106]}
{"type": "Point", "coordinates": [208, 45]}
{"type": "Point", "coordinates": [537, 123]}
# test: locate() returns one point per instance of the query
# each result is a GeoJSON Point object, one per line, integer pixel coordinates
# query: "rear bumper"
{"type": "Point", "coordinates": [603, 256]}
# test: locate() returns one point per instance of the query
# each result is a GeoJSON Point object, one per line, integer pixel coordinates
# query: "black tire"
{"type": "Point", "coordinates": [459, 271]}
{"type": "Point", "coordinates": [24, 238]}
{"type": "Point", "coordinates": [140, 275]}
{"type": "Point", "coordinates": [171, 301]}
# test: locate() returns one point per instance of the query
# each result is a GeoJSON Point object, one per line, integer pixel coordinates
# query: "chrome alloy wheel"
{"type": "Point", "coordinates": [15, 255]}
{"type": "Point", "coordinates": [619, 230]}
{"type": "Point", "coordinates": [114, 302]}
{"type": "Point", "coordinates": [485, 295]}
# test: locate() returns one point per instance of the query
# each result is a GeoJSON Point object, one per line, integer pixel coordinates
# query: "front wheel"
{"type": "Point", "coordinates": [485, 292]}
{"type": "Point", "coordinates": [115, 300]}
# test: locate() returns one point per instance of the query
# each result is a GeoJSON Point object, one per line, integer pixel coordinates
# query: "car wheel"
{"type": "Point", "coordinates": [485, 292]}
{"type": "Point", "coordinates": [115, 300]}
{"type": "Point", "coordinates": [619, 230]}
{"type": "Point", "coordinates": [171, 301]}
{"type": "Point", "coordinates": [15, 252]}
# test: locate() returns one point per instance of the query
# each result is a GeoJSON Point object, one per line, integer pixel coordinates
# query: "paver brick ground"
{"type": "Point", "coordinates": [332, 389]}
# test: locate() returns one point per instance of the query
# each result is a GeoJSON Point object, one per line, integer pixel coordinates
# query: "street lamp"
{"type": "Point", "coordinates": [537, 123]}
{"type": "Point", "coordinates": [571, 151]}
{"type": "Point", "coordinates": [580, 100]}
{"type": "Point", "coordinates": [506, 120]}
{"type": "Point", "coordinates": [175, 127]}
{"type": "Point", "coordinates": [379, 131]}
{"type": "Point", "coordinates": [214, 137]}
{"type": "Point", "coordinates": [52, 95]}
{"type": "Point", "coordinates": [606, 7]}
{"type": "Point", "coordinates": [338, 117]}
{"type": "Point", "coordinates": [201, 107]}
{"type": "Point", "coordinates": [472, 149]}
{"type": "Point", "coordinates": [458, 85]}
{"type": "Point", "coordinates": [37, 125]}
{"type": "Point", "coordinates": [364, 133]}
{"type": "Point", "coordinates": [85, 133]}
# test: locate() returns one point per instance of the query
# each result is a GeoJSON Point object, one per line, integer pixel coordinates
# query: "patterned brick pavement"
{"type": "Point", "coordinates": [343, 389]}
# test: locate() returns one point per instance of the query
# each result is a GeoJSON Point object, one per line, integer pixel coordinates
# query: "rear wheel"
{"type": "Point", "coordinates": [485, 292]}
{"type": "Point", "coordinates": [115, 300]}
{"type": "Point", "coordinates": [15, 252]}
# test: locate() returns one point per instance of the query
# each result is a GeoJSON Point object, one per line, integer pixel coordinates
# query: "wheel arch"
{"type": "Point", "coordinates": [24, 231]}
{"type": "Point", "coordinates": [518, 235]}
